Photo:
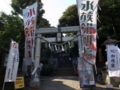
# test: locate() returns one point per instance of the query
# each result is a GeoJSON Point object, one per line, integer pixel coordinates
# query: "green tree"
{"type": "Point", "coordinates": [18, 5]}
{"type": "Point", "coordinates": [109, 17]}
{"type": "Point", "coordinates": [12, 29]}
{"type": "Point", "coordinates": [69, 17]}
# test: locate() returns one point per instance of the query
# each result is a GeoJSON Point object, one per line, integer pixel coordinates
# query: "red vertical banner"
{"type": "Point", "coordinates": [87, 10]}
{"type": "Point", "coordinates": [30, 15]}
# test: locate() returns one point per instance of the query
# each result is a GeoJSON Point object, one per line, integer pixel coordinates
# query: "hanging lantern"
{"type": "Point", "coordinates": [52, 48]}
{"type": "Point", "coordinates": [65, 47]}
{"type": "Point", "coordinates": [59, 50]}
{"type": "Point", "coordinates": [49, 46]}
{"type": "Point", "coordinates": [62, 48]}
{"type": "Point", "coordinates": [69, 44]}
{"type": "Point", "coordinates": [46, 45]}
{"type": "Point", "coordinates": [55, 47]}
{"type": "Point", "coordinates": [72, 44]}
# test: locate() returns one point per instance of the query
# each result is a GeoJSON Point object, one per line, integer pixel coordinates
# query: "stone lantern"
{"type": "Point", "coordinates": [105, 75]}
{"type": "Point", "coordinates": [110, 41]}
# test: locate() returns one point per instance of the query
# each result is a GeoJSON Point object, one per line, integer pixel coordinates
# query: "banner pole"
{"type": "Point", "coordinates": [33, 51]}
{"type": "Point", "coordinates": [3, 85]}
{"type": "Point", "coordinates": [95, 68]}
{"type": "Point", "coordinates": [4, 78]}
{"type": "Point", "coordinates": [36, 50]}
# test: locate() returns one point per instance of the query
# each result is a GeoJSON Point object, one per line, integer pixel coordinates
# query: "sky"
{"type": "Point", "coordinates": [4, 6]}
{"type": "Point", "coordinates": [53, 9]}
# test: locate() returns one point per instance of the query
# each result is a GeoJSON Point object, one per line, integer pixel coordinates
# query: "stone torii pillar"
{"type": "Point", "coordinates": [36, 79]}
{"type": "Point", "coordinates": [37, 51]}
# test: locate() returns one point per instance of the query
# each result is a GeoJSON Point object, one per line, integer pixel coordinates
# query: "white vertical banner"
{"type": "Point", "coordinates": [13, 62]}
{"type": "Point", "coordinates": [30, 15]}
{"type": "Point", "coordinates": [113, 61]}
{"type": "Point", "coordinates": [118, 56]}
{"type": "Point", "coordinates": [86, 74]}
{"type": "Point", "coordinates": [87, 10]}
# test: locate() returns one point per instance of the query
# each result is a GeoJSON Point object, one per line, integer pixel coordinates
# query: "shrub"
{"type": "Point", "coordinates": [48, 70]}
{"type": "Point", "coordinates": [44, 61]}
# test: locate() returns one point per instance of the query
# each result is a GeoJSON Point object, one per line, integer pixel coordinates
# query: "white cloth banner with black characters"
{"type": "Point", "coordinates": [13, 62]}
{"type": "Point", "coordinates": [113, 56]}
{"type": "Point", "coordinates": [87, 10]}
{"type": "Point", "coordinates": [118, 56]}
{"type": "Point", "coordinates": [29, 17]}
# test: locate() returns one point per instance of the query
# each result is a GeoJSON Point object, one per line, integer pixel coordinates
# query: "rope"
{"type": "Point", "coordinates": [57, 43]}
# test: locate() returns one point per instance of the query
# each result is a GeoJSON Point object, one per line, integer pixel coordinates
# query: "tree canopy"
{"type": "Point", "coordinates": [18, 5]}
{"type": "Point", "coordinates": [12, 29]}
{"type": "Point", "coordinates": [108, 15]}
{"type": "Point", "coordinates": [69, 17]}
{"type": "Point", "coordinates": [110, 19]}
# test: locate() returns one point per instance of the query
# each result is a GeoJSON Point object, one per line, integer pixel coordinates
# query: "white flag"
{"type": "Point", "coordinates": [30, 15]}
{"type": "Point", "coordinates": [87, 10]}
{"type": "Point", "coordinates": [112, 58]}
{"type": "Point", "coordinates": [12, 64]}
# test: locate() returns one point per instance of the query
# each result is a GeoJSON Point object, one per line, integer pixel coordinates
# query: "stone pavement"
{"type": "Point", "coordinates": [64, 83]}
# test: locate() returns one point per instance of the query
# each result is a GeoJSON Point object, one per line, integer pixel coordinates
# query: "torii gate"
{"type": "Point", "coordinates": [59, 38]}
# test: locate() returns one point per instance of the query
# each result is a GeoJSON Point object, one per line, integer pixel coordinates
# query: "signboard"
{"type": "Point", "coordinates": [12, 63]}
{"type": "Point", "coordinates": [87, 10]}
{"type": "Point", "coordinates": [86, 74]}
{"type": "Point", "coordinates": [113, 58]}
{"type": "Point", "coordinates": [19, 83]}
{"type": "Point", "coordinates": [29, 15]}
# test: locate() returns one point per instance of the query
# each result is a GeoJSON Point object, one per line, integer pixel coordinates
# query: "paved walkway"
{"type": "Point", "coordinates": [64, 83]}
{"type": "Point", "coordinates": [61, 83]}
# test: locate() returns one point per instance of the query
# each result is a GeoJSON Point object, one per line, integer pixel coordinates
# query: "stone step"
{"type": "Point", "coordinates": [64, 72]}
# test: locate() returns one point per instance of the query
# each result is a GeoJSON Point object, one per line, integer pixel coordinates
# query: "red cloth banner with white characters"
{"type": "Point", "coordinates": [29, 15]}
{"type": "Point", "coordinates": [87, 10]}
